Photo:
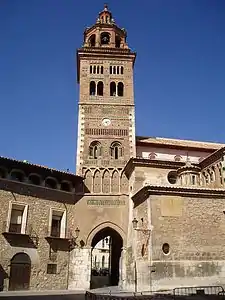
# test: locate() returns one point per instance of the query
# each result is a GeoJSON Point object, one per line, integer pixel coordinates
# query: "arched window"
{"type": "Point", "coordinates": [110, 69]}
{"type": "Point", "coordinates": [92, 88]}
{"type": "Point", "coordinates": [121, 70]}
{"type": "Point", "coordinates": [114, 70]}
{"type": "Point", "coordinates": [107, 19]}
{"type": "Point", "coordinates": [101, 69]}
{"type": "Point", "coordinates": [118, 41]}
{"type": "Point", "coordinates": [66, 186]}
{"type": "Point", "coordinates": [90, 69]}
{"type": "Point", "coordinates": [51, 183]}
{"type": "Point", "coordinates": [120, 89]}
{"type": "Point", "coordinates": [92, 41]}
{"type": "Point", "coordinates": [103, 261]}
{"type": "Point", "coordinates": [112, 88]}
{"type": "Point", "coordinates": [100, 87]}
{"type": "Point", "coordinates": [95, 150]}
{"type": "Point", "coordinates": [34, 179]}
{"type": "Point", "coordinates": [17, 175]}
{"type": "Point", "coordinates": [105, 38]}
{"type": "Point", "coordinates": [118, 70]}
{"type": "Point", "coordinates": [97, 69]}
{"type": "Point", "coordinates": [116, 150]}
{"type": "Point", "coordinates": [3, 173]}
{"type": "Point", "coordinates": [94, 69]}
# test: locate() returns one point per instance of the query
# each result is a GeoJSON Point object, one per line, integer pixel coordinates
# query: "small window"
{"type": "Point", "coordinates": [118, 70]}
{"type": "Point", "coordinates": [110, 69]}
{"type": "Point", "coordinates": [51, 268]}
{"type": "Point", "coordinates": [193, 179]}
{"type": "Point", "coordinates": [103, 261]}
{"type": "Point", "coordinates": [114, 70]}
{"type": "Point", "coordinates": [105, 38]}
{"type": "Point", "coordinates": [116, 150]}
{"type": "Point", "coordinates": [172, 177]}
{"type": "Point", "coordinates": [90, 69]}
{"type": "Point", "coordinates": [101, 69]}
{"type": "Point", "coordinates": [100, 88]}
{"type": "Point", "coordinates": [18, 218]}
{"type": "Point", "coordinates": [3, 173]}
{"type": "Point", "coordinates": [120, 89]}
{"type": "Point", "coordinates": [94, 69]}
{"type": "Point", "coordinates": [92, 41]}
{"type": "Point", "coordinates": [51, 183]}
{"type": "Point", "coordinates": [92, 88]}
{"type": "Point", "coordinates": [34, 179]}
{"type": "Point", "coordinates": [166, 248]}
{"type": "Point", "coordinates": [17, 175]}
{"type": "Point", "coordinates": [95, 150]}
{"type": "Point", "coordinates": [65, 186]}
{"type": "Point", "coordinates": [121, 70]}
{"type": "Point", "coordinates": [58, 224]}
{"type": "Point", "coordinates": [112, 89]}
{"type": "Point", "coordinates": [118, 41]}
{"type": "Point", "coordinates": [152, 156]}
{"type": "Point", "coordinates": [97, 69]}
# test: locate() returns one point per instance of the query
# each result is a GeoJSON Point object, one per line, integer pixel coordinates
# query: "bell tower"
{"type": "Point", "coordinates": [106, 122]}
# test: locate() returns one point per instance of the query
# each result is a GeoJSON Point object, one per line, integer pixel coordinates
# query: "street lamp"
{"type": "Point", "coordinates": [135, 223]}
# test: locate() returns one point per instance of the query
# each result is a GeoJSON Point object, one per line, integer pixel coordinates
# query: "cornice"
{"type": "Point", "coordinates": [154, 163]}
{"type": "Point", "coordinates": [183, 191]}
{"type": "Point", "coordinates": [212, 158]}
{"type": "Point", "coordinates": [104, 26]}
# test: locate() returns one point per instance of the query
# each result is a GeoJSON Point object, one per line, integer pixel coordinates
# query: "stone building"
{"type": "Point", "coordinates": [161, 201]}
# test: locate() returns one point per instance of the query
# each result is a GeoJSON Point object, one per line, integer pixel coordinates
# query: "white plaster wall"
{"type": "Point", "coordinates": [169, 154]}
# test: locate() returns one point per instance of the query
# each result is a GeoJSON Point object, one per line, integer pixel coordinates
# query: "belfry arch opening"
{"type": "Point", "coordinates": [106, 243]}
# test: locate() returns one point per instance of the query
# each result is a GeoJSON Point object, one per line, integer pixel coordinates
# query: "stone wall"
{"type": "Point", "coordinates": [38, 217]}
{"type": "Point", "coordinates": [194, 229]}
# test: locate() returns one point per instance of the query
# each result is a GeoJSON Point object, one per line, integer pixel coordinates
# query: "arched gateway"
{"type": "Point", "coordinates": [106, 276]}
{"type": "Point", "coordinates": [20, 269]}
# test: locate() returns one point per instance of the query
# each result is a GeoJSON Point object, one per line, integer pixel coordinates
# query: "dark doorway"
{"type": "Point", "coordinates": [20, 269]}
{"type": "Point", "coordinates": [107, 275]}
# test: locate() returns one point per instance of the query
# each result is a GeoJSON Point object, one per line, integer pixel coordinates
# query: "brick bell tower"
{"type": "Point", "coordinates": [106, 122]}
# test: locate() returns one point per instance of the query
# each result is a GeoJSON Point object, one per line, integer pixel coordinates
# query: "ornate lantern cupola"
{"type": "Point", "coordinates": [189, 174]}
{"type": "Point", "coordinates": [105, 33]}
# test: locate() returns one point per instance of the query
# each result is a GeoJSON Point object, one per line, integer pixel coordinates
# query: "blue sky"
{"type": "Point", "coordinates": [179, 72]}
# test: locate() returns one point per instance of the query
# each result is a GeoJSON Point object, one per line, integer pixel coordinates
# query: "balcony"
{"type": "Point", "coordinates": [57, 241]}
{"type": "Point", "coordinates": [14, 235]}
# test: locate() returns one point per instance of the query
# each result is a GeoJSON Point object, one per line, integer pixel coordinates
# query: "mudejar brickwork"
{"type": "Point", "coordinates": [160, 201]}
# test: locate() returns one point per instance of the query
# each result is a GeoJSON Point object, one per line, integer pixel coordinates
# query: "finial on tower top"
{"type": "Point", "coordinates": [105, 7]}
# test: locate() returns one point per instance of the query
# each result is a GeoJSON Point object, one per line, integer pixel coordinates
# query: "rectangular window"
{"type": "Point", "coordinates": [51, 268]}
{"type": "Point", "coordinates": [58, 224]}
{"type": "Point", "coordinates": [18, 218]}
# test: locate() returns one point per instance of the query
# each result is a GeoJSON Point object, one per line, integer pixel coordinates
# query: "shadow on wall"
{"type": "Point", "coordinates": [3, 276]}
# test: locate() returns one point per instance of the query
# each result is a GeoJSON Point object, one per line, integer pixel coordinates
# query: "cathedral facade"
{"type": "Point", "coordinates": [159, 201]}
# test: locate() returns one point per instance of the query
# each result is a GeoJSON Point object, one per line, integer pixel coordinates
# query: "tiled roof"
{"type": "Point", "coordinates": [43, 168]}
{"type": "Point", "coordinates": [178, 142]}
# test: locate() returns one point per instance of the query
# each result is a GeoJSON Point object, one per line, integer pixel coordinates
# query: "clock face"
{"type": "Point", "coordinates": [106, 122]}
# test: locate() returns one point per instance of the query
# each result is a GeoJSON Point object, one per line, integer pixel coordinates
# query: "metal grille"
{"type": "Point", "coordinates": [203, 291]}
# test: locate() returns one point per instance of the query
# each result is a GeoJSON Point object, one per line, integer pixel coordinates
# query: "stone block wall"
{"type": "Point", "coordinates": [194, 229]}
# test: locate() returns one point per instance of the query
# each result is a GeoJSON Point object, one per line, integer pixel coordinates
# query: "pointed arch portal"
{"type": "Point", "coordinates": [110, 277]}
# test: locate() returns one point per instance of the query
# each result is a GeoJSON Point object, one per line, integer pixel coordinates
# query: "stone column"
{"type": "Point", "coordinates": [122, 269]}
{"type": "Point", "coordinates": [80, 269]}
